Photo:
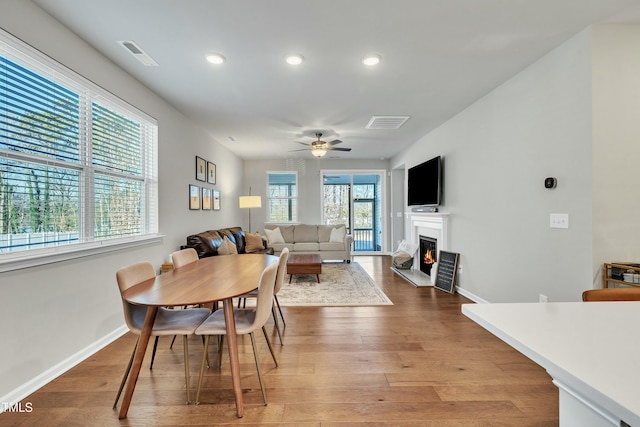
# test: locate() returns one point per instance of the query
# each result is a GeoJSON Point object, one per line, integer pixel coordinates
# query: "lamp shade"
{"type": "Point", "coordinates": [250, 202]}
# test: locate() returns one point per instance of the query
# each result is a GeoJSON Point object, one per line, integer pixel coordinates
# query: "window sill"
{"type": "Point", "coordinates": [36, 257]}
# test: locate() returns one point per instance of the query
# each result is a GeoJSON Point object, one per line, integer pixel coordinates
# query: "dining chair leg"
{"type": "Point", "coordinates": [186, 366]}
{"type": "Point", "coordinates": [126, 374]}
{"type": "Point", "coordinates": [275, 322]}
{"type": "Point", "coordinates": [220, 345]}
{"type": "Point", "coordinates": [204, 361]}
{"type": "Point", "coordinates": [153, 354]}
{"type": "Point", "coordinates": [172, 341]}
{"type": "Point", "coordinates": [275, 298]}
{"type": "Point", "coordinates": [273, 355]}
{"type": "Point", "coordinates": [206, 354]}
{"type": "Point", "coordinates": [255, 356]}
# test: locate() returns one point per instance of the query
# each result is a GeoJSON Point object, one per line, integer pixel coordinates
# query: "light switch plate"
{"type": "Point", "coordinates": [559, 220]}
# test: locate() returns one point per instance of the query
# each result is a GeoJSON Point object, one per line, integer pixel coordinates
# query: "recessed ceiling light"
{"type": "Point", "coordinates": [294, 59]}
{"type": "Point", "coordinates": [216, 58]}
{"type": "Point", "coordinates": [371, 60]}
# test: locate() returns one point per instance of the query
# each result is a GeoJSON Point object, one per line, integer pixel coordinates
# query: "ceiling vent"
{"type": "Point", "coordinates": [386, 122]}
{"type": "Point", "coordinates": [138, 53]}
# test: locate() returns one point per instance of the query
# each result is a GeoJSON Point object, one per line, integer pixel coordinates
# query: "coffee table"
{"type": "Point", "coordinates": [304, 264]}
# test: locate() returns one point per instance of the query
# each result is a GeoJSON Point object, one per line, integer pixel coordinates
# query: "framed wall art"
{"type": "Point", "coordinates": [201, 169]}
{"type": "Point", "coordinates": [194, 197]}
{"type": "Point", "coordinates": [216, 200]}
{"type": "Point", "coordinates": [211, 173]}
{"type": "Point", "coordinates": [206, 199]}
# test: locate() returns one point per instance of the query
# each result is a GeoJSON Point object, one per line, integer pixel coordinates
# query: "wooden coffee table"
{"type": "Point", "coordinates": [304, 264]}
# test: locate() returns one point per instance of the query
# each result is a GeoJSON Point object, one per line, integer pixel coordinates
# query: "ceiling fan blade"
{"type": "Point", "coordinates": [303, 143]}
{"type": "Point", "coordinates": [338, 149]}
{"type": "Point", "coordinates": [335, 142]}
{"type": "Point", "coordinates": [302, 149]}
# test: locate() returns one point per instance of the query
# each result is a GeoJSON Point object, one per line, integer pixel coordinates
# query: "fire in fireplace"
{"type": "Point", "coordinates": [428, 253]}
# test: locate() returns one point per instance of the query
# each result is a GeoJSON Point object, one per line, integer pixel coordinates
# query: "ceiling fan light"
{"type": "Point", "coordinates": [318, 152]}
{"type": "Point", "coordinates": [371, 60]}
{"type": "Point", "coordinates": [216, 58]}
{"type": "Point", "coordinates": [294, 59]}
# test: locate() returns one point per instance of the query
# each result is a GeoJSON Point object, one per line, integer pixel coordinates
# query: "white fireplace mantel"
{"type": "Point", "coordinates": [432, 224]}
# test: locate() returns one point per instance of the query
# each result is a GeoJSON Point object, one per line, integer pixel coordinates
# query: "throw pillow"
{"type": "Point", "coordinates": [227, 247]}
{"type": "Point", "coordinates": [274, 236]}
{"type": "Point", "coordinates": [254, 242]}
{"type": "Point", "coordinates": [337, 235]}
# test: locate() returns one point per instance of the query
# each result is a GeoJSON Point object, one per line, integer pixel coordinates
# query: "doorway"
{"type": "Point", "coordinates": [356, 200]}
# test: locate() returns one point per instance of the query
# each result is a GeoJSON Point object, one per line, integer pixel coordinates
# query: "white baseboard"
{"type": "Point", "coordinates": [49, 375]}
{"type": "Point", "coordinates": [471, 296]}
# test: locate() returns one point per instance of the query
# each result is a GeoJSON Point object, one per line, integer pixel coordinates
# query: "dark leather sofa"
{"type": "Point", "coordinates": [206, 243]}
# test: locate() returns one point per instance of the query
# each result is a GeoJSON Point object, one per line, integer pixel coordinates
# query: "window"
{"type": "Point", "coordinates": [282, 195]}
{"type": "Point", "coordinates": [78, 166]}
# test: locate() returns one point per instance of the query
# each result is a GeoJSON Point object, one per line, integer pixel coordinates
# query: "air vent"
{"type": "Point", "coordinates": [138, 53]}
{"type": "Point", "coordinates": [386, 122]}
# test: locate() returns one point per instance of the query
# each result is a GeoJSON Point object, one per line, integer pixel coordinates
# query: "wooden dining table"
{"type": "Point", "coordinates": [217, 278]}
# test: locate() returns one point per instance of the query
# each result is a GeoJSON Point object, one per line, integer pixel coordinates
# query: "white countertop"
{"type": "Point", "coordinates": [593, 348]}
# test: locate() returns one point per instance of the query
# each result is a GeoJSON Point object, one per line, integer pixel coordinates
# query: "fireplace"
{"type": "Point", "coordinates": [434, 226]}
{"type": "Point", "coordinates": [428, 253]}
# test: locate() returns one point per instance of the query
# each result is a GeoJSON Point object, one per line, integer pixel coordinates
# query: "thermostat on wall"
{"type": "Point", "coordinates": [550, 182]}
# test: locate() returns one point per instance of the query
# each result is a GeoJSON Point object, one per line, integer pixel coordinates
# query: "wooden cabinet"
{"type": "Point", "coordinates": [627, 274]}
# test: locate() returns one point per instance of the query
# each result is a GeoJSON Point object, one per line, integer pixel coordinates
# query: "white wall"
{"type": "Point", "coordinates": [497, 153]}
{"type": "Point", "coordinates": [616, 145]}
{"type": "Point", "coordinates": [398, 203]}
{"type": "Point", "coordinates": [52, 312]}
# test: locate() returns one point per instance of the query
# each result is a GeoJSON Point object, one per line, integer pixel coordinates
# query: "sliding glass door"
{"type": "Point", "coordinates": [356, 200]}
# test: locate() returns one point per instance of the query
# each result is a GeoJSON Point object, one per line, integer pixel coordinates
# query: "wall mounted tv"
{"type": "Point", "coordinates": [424, 186]}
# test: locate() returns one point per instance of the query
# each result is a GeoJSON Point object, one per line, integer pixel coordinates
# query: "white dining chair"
{"type": "Point", "coordinates": [247, 320]}
{"type": "Point", "coordinates": [167, 322]}
{"type": "Point", "coordinates": [282, 270]}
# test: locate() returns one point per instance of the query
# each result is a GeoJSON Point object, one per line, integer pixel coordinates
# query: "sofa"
{"type": "Point", "coordinates": [331, 242]}
{"type": "Point", "coordinates": [210, 243]}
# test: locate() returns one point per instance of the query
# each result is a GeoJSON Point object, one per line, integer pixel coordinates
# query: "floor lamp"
{"type": "Point", "coordinates": [248, 202]}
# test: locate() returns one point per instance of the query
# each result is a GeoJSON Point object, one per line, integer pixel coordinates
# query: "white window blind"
{"type": "Point", "coordinates": [77, 164]}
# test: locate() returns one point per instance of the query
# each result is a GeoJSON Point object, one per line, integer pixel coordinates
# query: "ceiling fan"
{"type": "Point", "coordinates": [319, 148]}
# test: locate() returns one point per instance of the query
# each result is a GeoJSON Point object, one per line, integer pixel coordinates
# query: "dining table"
{"type": "Point", "coordinates": [211, 279]}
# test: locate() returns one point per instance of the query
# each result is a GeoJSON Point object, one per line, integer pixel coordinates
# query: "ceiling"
{"type": "Point", "coordinates": [438, 57]}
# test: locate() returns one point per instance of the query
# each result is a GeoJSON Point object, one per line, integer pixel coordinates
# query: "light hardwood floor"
{"type": "Point", "coordinates": [419, 362]}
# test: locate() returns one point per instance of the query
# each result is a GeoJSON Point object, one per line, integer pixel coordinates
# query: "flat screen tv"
{"type": "Point", "coordinates": [424, 186]}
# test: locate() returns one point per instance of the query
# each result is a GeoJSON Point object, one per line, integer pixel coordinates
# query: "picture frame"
{"type": "Point", "coordinates": [206, 199]}
{"type": "Point", "coordinates": [211, 173]}
{"type": "Point", "coordinates": [216, 200]}
{"type": "Point", "coordinates": [201, 169]}
{"type": "Point", "coordinates": [194, 197]}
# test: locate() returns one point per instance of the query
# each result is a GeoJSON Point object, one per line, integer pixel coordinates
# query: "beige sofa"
{"type": "Point", "coordinates": [331, 242]}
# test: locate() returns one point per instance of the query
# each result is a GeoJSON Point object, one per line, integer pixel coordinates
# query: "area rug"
{"type": "Point", "coordinates": [340, 285]}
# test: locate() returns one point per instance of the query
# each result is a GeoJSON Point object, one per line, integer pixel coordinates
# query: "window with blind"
{"type": "Point", "coordinates": [282, 197]}
{"type": "Point", "coordinates": [78, 166]}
